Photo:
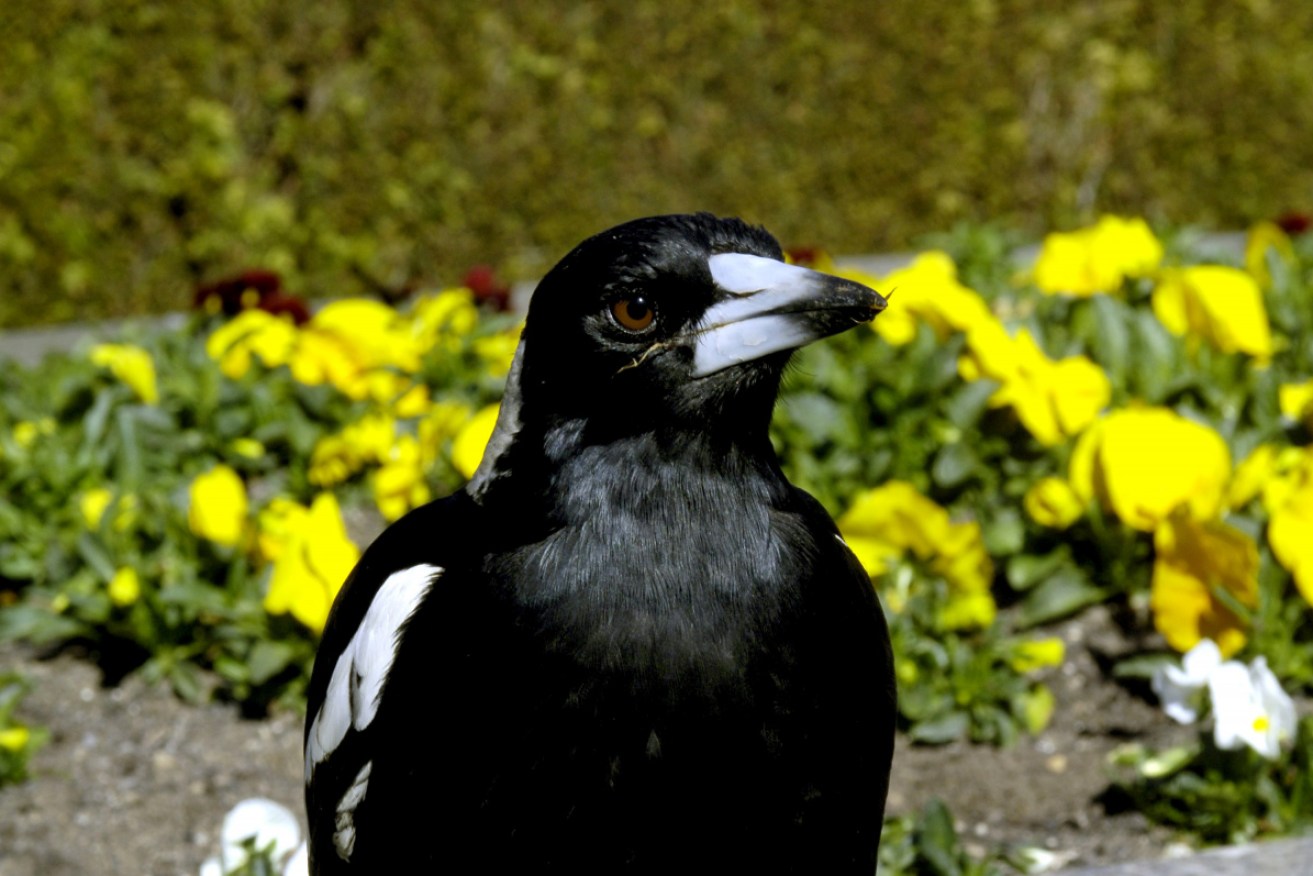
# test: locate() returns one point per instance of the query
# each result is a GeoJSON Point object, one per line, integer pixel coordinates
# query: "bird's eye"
{"type": "Point", "coordinates": [634, 313]}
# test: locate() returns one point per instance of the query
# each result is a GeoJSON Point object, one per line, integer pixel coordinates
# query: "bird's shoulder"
{"type": "Point", "coordinates": [422, 565]}
{"type": "Point", "coordinates": [434, 540]}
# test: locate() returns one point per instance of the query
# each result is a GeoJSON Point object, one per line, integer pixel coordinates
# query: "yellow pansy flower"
{"type": "Point", "coordinates": [1221, 305]}
{"type": "Point", "coordinates": [1263, 238]}
{"type": "Point", "coordinates": [1191, 558]}
{"type": "Point", "coordinates": [357, 345]}
{"type": "Point", "coordinates": [275, 525]}
{"type": "Point", "coordinates": [247, 448]}
{"type": "Point", "coordinates": [252, 333]}
{"type": "Point", "coordinates": [497, 351]}
{"type": "Point", "coordinates": [25, 433]}
{"type": "Point", "coordinates": [323, 357]}
{"type": "Point", "coordinates": [337, 457]}
{"type": "Point", "coordinates": [130, 364]}
{"type": "Point", "coordinates": [125, 587]}
{"type": "Point", "coordinates": [1296, 402]}
{"type": "Point", "coordinates": [376, 334]}
{"type": "Point", "coordinates": [887, 522]}
{"type": "Point", "coordinates": [217, 510]}
{"type": "Point", "coordinates": [399, 485]}
{"type": "Point", "coordinates": [313, 560]}
{"type": "Point", "coordinates": [1053, 503]}
{"type": "Point", "coordinates": [15, 738]}
{"type": "Point", "coordinates": [926, 291]}
{"type": "Point", "coordinates": [1098, 258]}
{"type": "Point", "coordinates": [96, 501]}
{"type": "Point", "coordinates": [1251, 475]}
{"type": "Point", "coordinates": [442, 320]}
{"type": "Point", "coordinates": [1143, 463]}
{"type": "Point", "coordinates": [442, 423]}
{"type": "Point", "coordinates": [1053, 400]}
{"type": "Point", "coordinates": [93, 504]}
{"type": "Point", "coordinates": [1288, 497]}
{"type": "Point", "coordinates": [472, 439]}
{"type": "Point", "coordinates": [1036, 654]}
{"type": "Point", "coordinates": [414, 401]}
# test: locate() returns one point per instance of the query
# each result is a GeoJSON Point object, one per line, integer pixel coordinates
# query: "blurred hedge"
{"type": "Point", "coordinates": [348, 143]}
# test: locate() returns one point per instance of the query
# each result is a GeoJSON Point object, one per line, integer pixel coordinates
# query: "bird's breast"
{"type": "Point", "coordinates": [651, 572]}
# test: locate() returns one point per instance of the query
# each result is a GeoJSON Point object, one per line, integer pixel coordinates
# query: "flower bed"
{"type": "Point", "coordinates": [1119, 425]}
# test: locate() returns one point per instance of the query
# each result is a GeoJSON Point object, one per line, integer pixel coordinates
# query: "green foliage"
{"type": "Point", "coordinates": [926, 844]}
{"type": "Point", "coordinates": [1223, 796]}
{"type": "Point", "coordinates": [18, 742]}
{"type": "Point", "coordinates": [153, 143]}
{"type": "Point", "coordinates": [953, 687]}
{"type": "Point", "coordinates": [200, 603]}
{"type": "Point", "coordinates": [256, 861]}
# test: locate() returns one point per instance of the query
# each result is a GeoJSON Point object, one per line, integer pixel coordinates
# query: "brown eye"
{"type": "Point", "coordinates": [634, 313]}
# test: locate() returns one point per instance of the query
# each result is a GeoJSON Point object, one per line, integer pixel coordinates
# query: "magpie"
{"type": "Point", "coordinates": [629, 644]}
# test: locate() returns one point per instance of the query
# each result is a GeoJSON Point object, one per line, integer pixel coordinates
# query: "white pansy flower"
{"type": "Point", "coordinates": [299, 863]}
{"type": "Point", "coordinates": [271, 825]}
{"type": "Point", "coordinates": [1181, 688]}
{"type": "Point", "coordinates": [1250, 708]}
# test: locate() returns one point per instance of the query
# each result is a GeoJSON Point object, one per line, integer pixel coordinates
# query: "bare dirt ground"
{"type": "Point", "coordinates": [133, 781]}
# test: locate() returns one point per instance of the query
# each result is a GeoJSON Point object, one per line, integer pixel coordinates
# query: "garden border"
{"type": "Point", "coordinates": [1284, 857]}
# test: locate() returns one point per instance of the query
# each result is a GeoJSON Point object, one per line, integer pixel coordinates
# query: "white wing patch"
{"type": "Point", "coordinates": [352, 697]}
{"type": "Point", "coordinates": [344, 820]}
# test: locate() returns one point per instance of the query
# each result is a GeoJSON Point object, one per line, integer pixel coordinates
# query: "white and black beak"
{"type": "Point", "coordinates": [765, 306]}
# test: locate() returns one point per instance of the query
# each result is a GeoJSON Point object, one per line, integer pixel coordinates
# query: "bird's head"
{"type": "Point", "coordinates": [670, 322]}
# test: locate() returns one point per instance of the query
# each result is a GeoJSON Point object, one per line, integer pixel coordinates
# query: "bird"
{"type": "Point", "coordinates": [629, 644]}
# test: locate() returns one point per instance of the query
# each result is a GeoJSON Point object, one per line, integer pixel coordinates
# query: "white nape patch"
{"type": "Point", "coordinates": [355, 686]}
{"type": "Point", "coordinates": [741, 274]}
{"type": "Point", "coordinates": [503, 433]}
{"type": "Point", "coordinates": [344, 820]}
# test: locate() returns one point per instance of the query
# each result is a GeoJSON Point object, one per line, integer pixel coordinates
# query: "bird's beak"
{"type": "Point", "coordinates": [765, 306]}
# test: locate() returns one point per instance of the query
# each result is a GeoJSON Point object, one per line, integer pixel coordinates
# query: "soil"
{"type": "Point", "coordinates": [135, 781]}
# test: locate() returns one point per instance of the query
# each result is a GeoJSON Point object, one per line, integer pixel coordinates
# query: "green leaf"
{"type": "Point", "coordinates": [95, 555]}
{"type": "Point", "coordinates": [1024, 571]}
{"type": "Point", "coordinates": [1157, 357]}
{"type": "Point", "coordinates": [130, 467]}
{"type": "Point", "coordinates": [1141, 666]}
{"type": "Point", "coordinates": [1037, 708]}
{"type": "Point", "coordinates": [965, 406]}
{"type": "Point", "coordinates": [97, 419]}
{"type": "Point", "coordinates": [1004, 533]}
{"type": "Point", "coordinates": [37, 625]}
{"type": "Point", "coordinates": [941, 730]}
{"type": "Point", "coordinates": [186, 681]}
{"type": "Point", "coordinates": [1112, 339]}
{"type": "Point", "coordinates": [954, 464]}
{"type": "Point", "coordinates": [938, 840]}
{"type": "Point", "coordinates": [1061, 595]}
{"type": "Point", "coordinates": [818, 416]}
{"type": "Point", "coordinates": [267, 659]}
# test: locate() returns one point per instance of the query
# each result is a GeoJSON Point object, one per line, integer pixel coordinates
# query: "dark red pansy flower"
{"type": "Point", "coordinates": [231, 295]}
{"type": "Point", "coordinates": [807, 256]}
{"type": "Point", "coordinates": [488, 290]}
{"type": "Point", "coordinates": [1294, 222]}
{"type": "Point", "coordinates": [282, 304]}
